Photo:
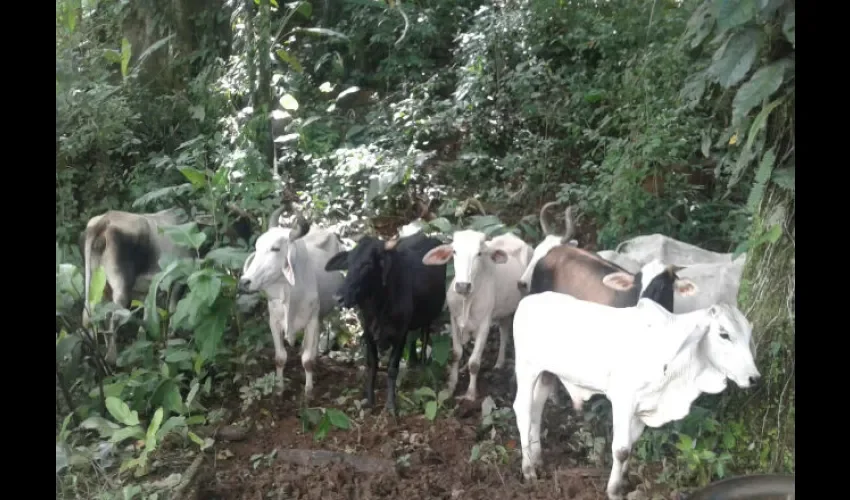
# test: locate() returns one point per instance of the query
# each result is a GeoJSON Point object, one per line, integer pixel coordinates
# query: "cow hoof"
{"type": "Point", "coordinates": [529, 474]}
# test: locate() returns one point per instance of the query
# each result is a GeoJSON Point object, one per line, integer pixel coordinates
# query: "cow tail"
{"type": "Point", "coordinates": [91, 234]}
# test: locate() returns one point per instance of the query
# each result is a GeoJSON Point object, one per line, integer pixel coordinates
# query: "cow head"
{"type": "Point", "coordinates": [657, 280]}
{"type": "Point", "coordinates": [368, 264]}
{"type": "Point", "coordinates": [469, 249]}
{"type": "Point", "coordinates": [549, 242]}
{"type": "Point", "coordinates": [273, 257]}
{"type": "Point", "coordinates": [728, 336]}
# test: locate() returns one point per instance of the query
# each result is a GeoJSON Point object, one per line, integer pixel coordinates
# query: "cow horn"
{"type": "Point", "coordinates": [569, 225]}
{"type": "Point", "coordinates": [302, 227]}
{"type": "Point", "coordinates": [547, 230]}
{"type": "Point", "coordinates": [274, 218]}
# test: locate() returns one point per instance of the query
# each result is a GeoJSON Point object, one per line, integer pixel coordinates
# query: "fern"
{"type": "Point", "coordinates": [762, 176]}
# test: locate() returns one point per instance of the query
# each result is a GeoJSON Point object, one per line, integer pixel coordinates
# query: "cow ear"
{"type": "Point", "coordinates": [498, 256]}
{"type": "Point", "coordinates": [438, 256]}
{"type": "Point", "coordinates": [677, 344]}
{"type": "Point", "coordinates": [619, 281]}
{"type": "Point", "coordinates": [288, 273]}
{"type": "Point", "coordinates": [685, 287]}
{"type": "Point", "coordinates": [248, 261]}
{"type": "Point", "coordinates": [338, 262]}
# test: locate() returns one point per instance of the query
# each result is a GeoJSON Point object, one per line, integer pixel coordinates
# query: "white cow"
{"type": "Point", "coordinates": [650, 363]}
{"type": "Point", "coordinates": [289, 266]}
{"type": "Point", "coordinates": [551, 241]}
{"type": "Point", "coordinates": [483, 291]}
{"type": "Point", "coordinates": [128, 246]}
{"type": "Point", "coordinates": [644, 248]}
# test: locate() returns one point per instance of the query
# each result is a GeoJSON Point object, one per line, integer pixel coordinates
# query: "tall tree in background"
{"type": "Point", "coordinates": [752, 66]}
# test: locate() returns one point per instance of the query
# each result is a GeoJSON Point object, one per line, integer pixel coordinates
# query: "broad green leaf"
{"type": "Point", "coordinates": [735, 57]}
{"type": "Point", "coordinates": [153, 428]}
{"type": "Point", "coordinates": [126, 52]}
{"type": "Point", "coordinates": [321, 31]}
{"type": "Point", "coordinates": [167, 395]}
{"type": "Point", "coordinates": [193, 391]}
{"type": "Point", "coordinates": [310, 121]}
{"type": "Point", "coordinates": [121, 412]}
{"type": "Point", "coordinates": [745, 156]}
{"type": "Point", "coordinates": [178, 356]}
{"type": "Point", "coordinates": [431, 410]}
{"type": "Point", "coordinates": [425, 391]}
{"type": "Point", "coordinates": [175, 422]}
{"type": "Point", "coordinates": [97, 284]}
{"type": "Point", "coordinates": [788, 27]}
{"type": "Point", "coordinates": [742, 248]}
{"type": "Point", "coordinates": [785, 177]}
{"type": "Point", "coordinates": [733, 13]}
{"type": "Point", "coordinates": [303, 8]}
{"type": "Point", "coordinates": [693, 89]}
{"type": "Point", "coordinates": [283, 139]}
{"type": "Point", "coordinates": [475, 453]}
{"type": "Point", "coordinates": [288, 102]}
{"type": "Point", "coordinates": [229, 257]}
{"type": "Point", "coordinates": [443, 396]}
{"type": "Point", "coordinates": [760, 182]}
{"type": "Point", "coordinates": [205, 286]}
{"type": "Point", "coordinates": [151, 317]}
{"type": "Point", "coordinates": [338, 418]}
{"type": "Point", "coordinates": [441, 224]}
{"type": "Point", "coordinates": [196, 177]}
{"type": "Point", "coordinates": [103, 426]}
{"type": "Point", "coordinates": [209, 332]}
{"type": "Point", "coordinates": [127, 433]}
{"type": "Point", "coordinates": [289, 59]}
{"type": "Point", "coordinates": [323, 428]}
{"type": "Point", "coordinates": [220, 177]}
{"type": "Point", "coordinates": [112, 56]}
{"type": "Point", "coordinates": [162, 193]}
{"type": "Point", "coordinates": [773, 234]}
{"type": "Point", "coordinates": [196, 439]}
{"type": "Point", "coordinates": [350, 90]}
{"type": "Point", "coordinates": [699, 25]}
{"type": "Point", "coordinates": [759, 87]}
{"type": "Point", "coordinates": [186, 235]}
{"type": "Point", "coordinates": [65, 346]}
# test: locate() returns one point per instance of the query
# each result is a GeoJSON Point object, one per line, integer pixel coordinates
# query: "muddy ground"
{"type": "Point", "coordinates": [410, 459]}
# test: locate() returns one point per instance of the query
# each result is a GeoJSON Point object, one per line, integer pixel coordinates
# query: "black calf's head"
{"type": "Point", "coordinates": [658, 282]}
{"type": "Point", "coordinates": [368, 265]}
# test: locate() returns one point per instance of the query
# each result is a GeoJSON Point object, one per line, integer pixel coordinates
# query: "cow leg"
{"type": "Point", "coordinates": [276, 319]}
{"type": "Point", "coordinates": [475, 360]}
{"type": "Point", "coordinates": [544, 386]}
{"type": "Point", "coordinates": [371, 364]}
{"type": "Point", "coordinates": [412, 358]}
{"type": "Point", "coordinates": [505, 330]}
{"type": "Point", "coordinates": [627, 430]}
{"type": "Point", "coordinates": [392, 372]}
{"type": "Point", "coordinates": [121, 295]}
{"type": "Point", "coordinates": [522, 410]}
{"type": "Point", "coordinates": [309, 353]}
{"type": "Point", "coordinates": [457, 354]}
{"type": "Point", "coordinates": [426, 342]}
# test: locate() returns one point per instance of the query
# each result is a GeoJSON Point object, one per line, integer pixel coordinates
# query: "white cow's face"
{"type": "Point", "coordinates": [271, 259]}
{"type": "Point", "coordinates": [468, 249]}
{"type": "Point", "coordinates": [540, 251]}
{"type": "Point", "coordinates": [728, 345]}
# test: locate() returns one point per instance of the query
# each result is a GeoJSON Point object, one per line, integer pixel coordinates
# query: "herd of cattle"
{"type": "Point", "coordinates": [650, 325]}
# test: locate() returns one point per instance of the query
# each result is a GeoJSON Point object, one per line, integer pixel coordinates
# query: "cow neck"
{"type": "Point", "coordinates": [483, 281]}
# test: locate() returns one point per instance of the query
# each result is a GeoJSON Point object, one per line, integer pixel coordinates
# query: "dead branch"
{"type": "Point", "coordinates": [188, 476]}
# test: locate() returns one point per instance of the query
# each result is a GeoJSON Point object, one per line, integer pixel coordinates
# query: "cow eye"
{"type": "Point", "coordinates": [275, 249]}
{"type": "Point", "coordinates": [724, 336]}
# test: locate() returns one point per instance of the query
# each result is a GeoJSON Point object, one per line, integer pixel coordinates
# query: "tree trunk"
{"type": "Point", "coordinates": [767, 299]}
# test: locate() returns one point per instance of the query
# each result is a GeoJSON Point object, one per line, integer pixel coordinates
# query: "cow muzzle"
{"type": "Point", "coordinates": [463, 288]}
{"type": "Point", "coordinates": [244, 285]}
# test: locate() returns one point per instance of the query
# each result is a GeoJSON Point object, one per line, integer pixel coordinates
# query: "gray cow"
{"type": "Point", "coordinates": [128, 246]}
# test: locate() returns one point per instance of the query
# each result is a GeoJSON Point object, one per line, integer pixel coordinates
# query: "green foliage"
{"type": "Point", "coordinates": [322, 420]}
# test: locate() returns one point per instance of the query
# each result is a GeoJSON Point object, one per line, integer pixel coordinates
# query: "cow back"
{"type": "Point", "coordinates": [426, 284]}
{"type": "Point", "coordinates": [573, 271]}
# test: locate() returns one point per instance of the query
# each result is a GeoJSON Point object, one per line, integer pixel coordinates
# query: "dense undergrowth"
{"type": "Point", "coordinates": [366, 115]}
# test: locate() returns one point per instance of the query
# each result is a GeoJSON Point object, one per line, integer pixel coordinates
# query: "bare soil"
{"type": "Point", "coordinates": [410, 458]}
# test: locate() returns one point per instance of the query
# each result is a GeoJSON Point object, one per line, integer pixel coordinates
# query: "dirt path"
{"type": "Point", "coordinates": [410, 459]}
